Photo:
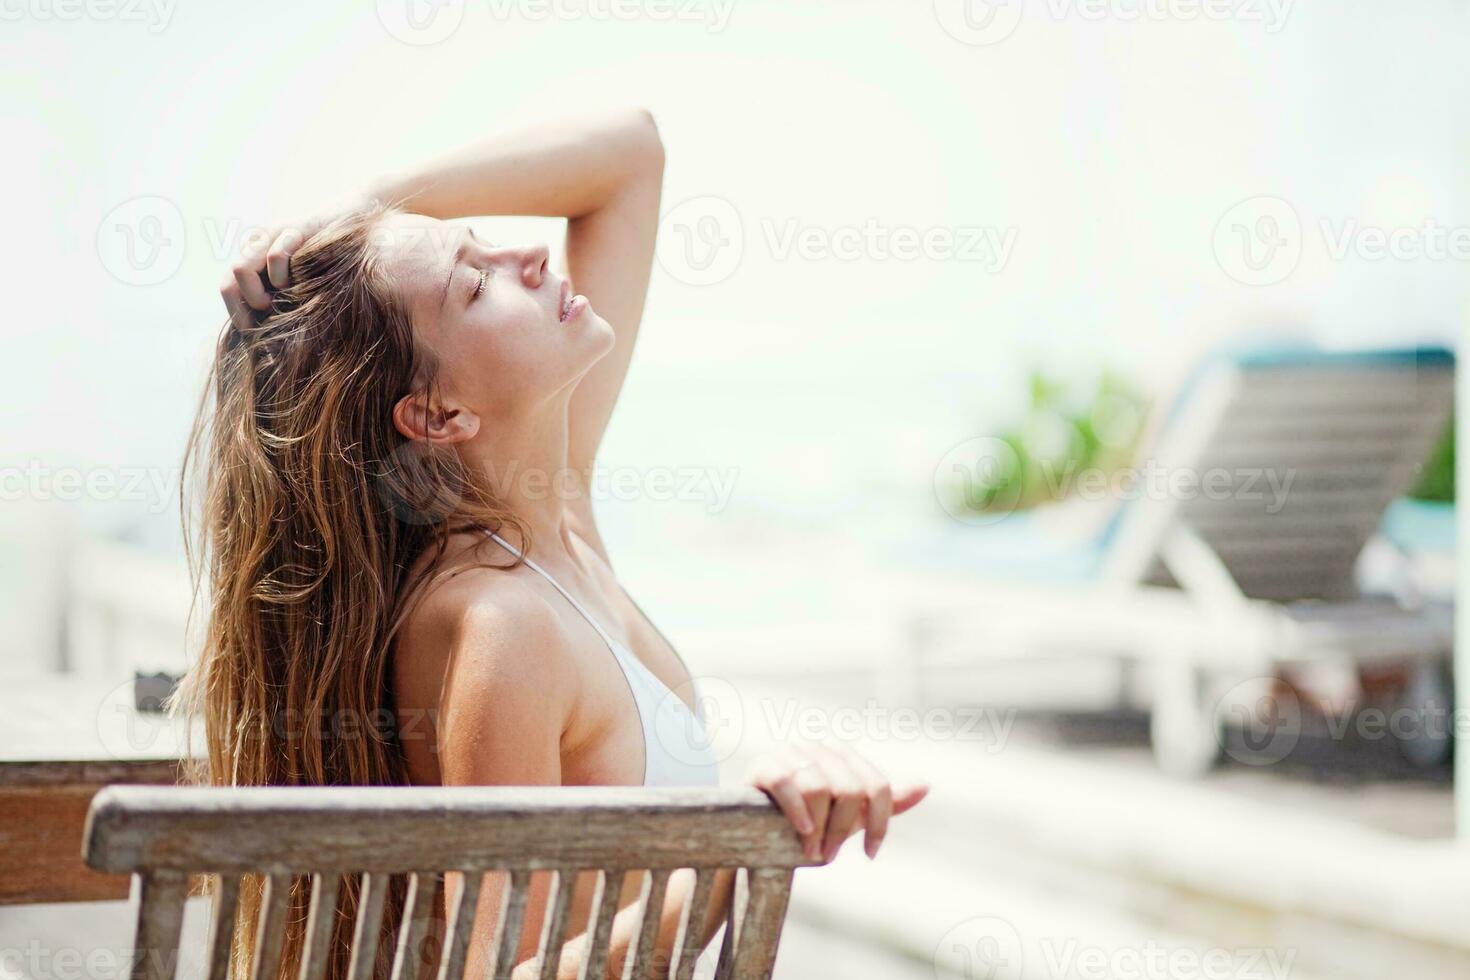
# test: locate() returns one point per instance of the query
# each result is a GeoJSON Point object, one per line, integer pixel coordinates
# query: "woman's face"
{"type": "Point", "coordinates": [508, 333]}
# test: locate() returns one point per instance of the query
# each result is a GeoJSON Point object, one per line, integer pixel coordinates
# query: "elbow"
{"type": "Point", "coordinates": [647, 142]}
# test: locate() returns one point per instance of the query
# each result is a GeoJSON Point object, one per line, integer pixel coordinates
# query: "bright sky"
{"type": "Point", "coordinates": [1074, 180]}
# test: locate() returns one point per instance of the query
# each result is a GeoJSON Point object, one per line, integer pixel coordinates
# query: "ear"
{"type": "Point", "coordinates": [419, 416]}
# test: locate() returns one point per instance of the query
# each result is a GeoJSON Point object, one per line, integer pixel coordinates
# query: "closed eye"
{"type": "Point", "coordinates": [480, 285]}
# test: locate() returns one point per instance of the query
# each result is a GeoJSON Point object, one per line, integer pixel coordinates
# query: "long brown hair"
{"type": "Point", "coordinates": [311, 511]}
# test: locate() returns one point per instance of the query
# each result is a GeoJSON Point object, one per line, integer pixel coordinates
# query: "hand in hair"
{"type": "Point", "coordinates": [264, 264]}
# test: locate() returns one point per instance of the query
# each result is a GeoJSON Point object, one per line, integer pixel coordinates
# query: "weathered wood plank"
{"type": "Point", "coordinates": [508, 929]}
{"type": "Point", "coordinates": [40, 861]}
{"type": "Point", "coordinates": [639, 962]}
{"type": "Point", "coordinates": [554, 925]}
{"type": "Point", "coordinates": [222, 926]}
{"type": "Point", "coordinates": [463, 828]}
{"type": "Point", "coordinates": [271, 927]}
{"type": "Point", "coordinates": [604, 908]}
{"type": "Point", "coordinates": [734, 919]}
{"type": "Point", "coordinates": [760, 925]}
{"type": "Point", "coordinates": [369, 926]}
{"type": "Point", "coordinates": [319, 922]}
{"type": "Point", "coordinates": [687, 945]}
{"type": "Point", "coordinates": [160, 917]}
{"type": "Point", "coordinates": [174, 832]}
{"type": "Point", "coordinates": [461, 926]}
{"type": "Point", "coordinates": [423, 888]}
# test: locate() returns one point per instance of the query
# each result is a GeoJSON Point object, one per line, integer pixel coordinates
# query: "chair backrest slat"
{"type": "Point", "coordinates": [760, 923]}
{"type": "Point", "coordinates": [160, 917]}
{"type": "Point", "coordinates": [222, 926]}
{"type": "Point", "coordinates": [460, 927]}
{"type": "Point", "coordinates": [271, 931]}
{"type": "Point", "coordinates": [423, 888]}
{"type": "Point", "coordinates": [554, 923]}
{"type": "Point", "coordinates": [368, 929]}
{"type": "Point", "coordinates": [604, 908]}
{"type": "Point", "coordinates": [508, 929]}
{"type": "Point", "coordinates": [319, 922]}
{"type": "Point", "coordinates": [379, 839]}
{"type": "Point", "coordinates": [734, 916]}
{"type": "Point", "coordinates": [650, 904]}
{"type": "Point", "coordinates": [691, 922]}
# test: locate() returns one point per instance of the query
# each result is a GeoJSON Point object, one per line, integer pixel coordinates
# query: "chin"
{"type": "Point", "coordinates": [601, 326]}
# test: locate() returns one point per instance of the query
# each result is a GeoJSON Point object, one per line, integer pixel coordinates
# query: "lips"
{"type": "Point", "coordinates": [571, 303]}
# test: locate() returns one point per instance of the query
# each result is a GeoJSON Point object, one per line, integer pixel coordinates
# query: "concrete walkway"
{"type": "Point", "coordinates": [1033, 860]}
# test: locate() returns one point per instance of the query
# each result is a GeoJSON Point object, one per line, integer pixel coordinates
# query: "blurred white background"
{"type": "Point", "coordinates": [1103, 150]}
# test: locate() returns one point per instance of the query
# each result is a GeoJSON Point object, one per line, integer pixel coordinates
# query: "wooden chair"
{"type": "Point", "coordinates": [163, 835]}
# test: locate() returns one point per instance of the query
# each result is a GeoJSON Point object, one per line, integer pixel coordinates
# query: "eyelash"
{"type": "Point", "coordinates": [479, 286]}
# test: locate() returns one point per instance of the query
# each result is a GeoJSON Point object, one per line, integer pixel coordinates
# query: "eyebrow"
{"type": "Point", "coordinates": [453, 265]}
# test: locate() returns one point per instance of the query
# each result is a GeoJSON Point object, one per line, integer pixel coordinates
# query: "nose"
{"type": "Point", "coordinates": [534, 259]}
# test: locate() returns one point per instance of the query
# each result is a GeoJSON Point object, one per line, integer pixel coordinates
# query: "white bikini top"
{"type": "Point", "coordinates": [676, 745]}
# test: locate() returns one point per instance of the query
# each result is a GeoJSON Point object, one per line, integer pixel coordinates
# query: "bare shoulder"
{"type": "Point", "coordinates": [483, 621]}
{"type": "Point", "coordinates": [490, 659]}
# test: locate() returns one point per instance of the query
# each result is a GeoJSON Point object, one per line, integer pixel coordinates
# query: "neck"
{"type": "Point", "coordinates": [526, 463]}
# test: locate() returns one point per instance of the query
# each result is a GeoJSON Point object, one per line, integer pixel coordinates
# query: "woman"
{"type": "Point", "coordinates": [406, 576]}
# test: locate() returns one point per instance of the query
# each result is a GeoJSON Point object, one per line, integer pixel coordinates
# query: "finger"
{"type": "Point", "coordinates": [782, 788]}
{"type": "Point", "coordinates": [847, 802]}
{"type": "Point", "coordinates": [812, 780]}
{"type": "Point", "coordinates": [247, 274]}
{"type": "Point", "coordinates": [909, 796]}
{"type": "Point", "coordinates": [239, 312]}
{"type": "Point", "coordinates": [278, 257]}
{"type": "Point", "coordinates": [878, 802]}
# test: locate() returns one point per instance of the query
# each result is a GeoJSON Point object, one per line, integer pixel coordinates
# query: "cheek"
{"type": "Point", "coordinates": [515, 348]}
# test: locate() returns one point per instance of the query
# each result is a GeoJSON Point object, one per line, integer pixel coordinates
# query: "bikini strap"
{"type": "Point", "coordinates": [557, 585]}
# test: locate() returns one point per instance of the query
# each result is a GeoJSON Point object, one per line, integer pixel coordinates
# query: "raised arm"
{"type": "Point", "coordinates": [603, 173]}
